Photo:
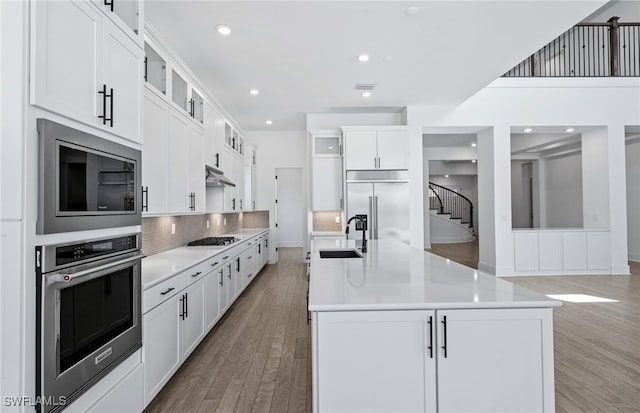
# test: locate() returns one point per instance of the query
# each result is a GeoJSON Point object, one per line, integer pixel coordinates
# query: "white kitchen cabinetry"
{"type": "Point", "coordinates": [234, 170]}
{"type": "Point", "coordinates": [250, 178]}
{"type": "Point", "coordinates": [155, 69]}
{"type": "Point", "coordinates": [126, 14]}
{"type": "Point", "coordinates": [155, 154]}
{"type": "Point", "coordinates": [186, 165]}
{"type": "Point", "coordinates": [376, 149]}
{"type": "Point", "coordinates": [161, 345]}
{"type": "Point", "coordinates": [84, 67]}
{"type": "Point", "coordinates": [192, 317]}
{"type": "Point", "coordinates": [562, 251]}
{"type": "Point", "coordinates": [327, 184]}
{"type": "Point", "coordinates": [502, 358]}
{"type": "Point", "coordinates": [375, 362]}
{"type": "Point", "coordinates": [485, 360]}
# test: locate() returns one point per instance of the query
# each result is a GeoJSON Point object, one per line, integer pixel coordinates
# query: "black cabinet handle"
{"type": "Point", "coordinates": [250, 256]}
{"type": "Point", "coordinates": [259, 249]}
{"type": "Point", "coordinates": [182, 314]}
{"type": "Point", "coordinates": [221, 282]}
{"type": "Point", "coordinates": [145, 198]}
{"type": "Point", "coordinates": [168, 291]}
{"type": "Point", "coordinates": [196, 274]}
{"type": "Point", "coordinates": [444, 337]}
{"type": "Point", "coordinates": [217, 160]}
{"type": "Point", "coordinates": [214, 264]}
{"type": "Point", "coordinates": [233, 204]}
{"type": "Point", "coordinates": [430, 323]}
{"type": "Point", "coordinates": [111, 108]}
{"type": "Point", "coordinates": [241, 205]}
{"type": "Point", "coordinates": [146, 63]}
{"type": "Point", "coordinates": [109, 3]}
{"type": "Point", "coordinates": [103, 92]}
{"type": "Point", "coordinates": [225, 257]}
{"type": "Point", "coordinates": [238, 264]}
{"type": "Point", "coordinates": [186, 305]}
{"type": "Point", "coordinates": [229, 276]}
{"type": "Point", "coordinates": [249, 243]}
{"type": "Point", "coordinates": [250, 275]}
{"type": "Point", "coordinates": [192, 201]}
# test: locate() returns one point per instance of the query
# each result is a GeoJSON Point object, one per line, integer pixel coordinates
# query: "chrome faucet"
{"type": "Point", "coordinates": [363, 227]}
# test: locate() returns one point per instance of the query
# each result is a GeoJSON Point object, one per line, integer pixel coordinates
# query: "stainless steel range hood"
{"type": "Point", "coordinates": [215, 177]}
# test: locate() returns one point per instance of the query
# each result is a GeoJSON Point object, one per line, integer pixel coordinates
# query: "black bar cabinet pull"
{"type": "Point", "coordinates": [186, 305]}
{"type": "Point", "coordinates": [259, 249]}
{"type": "Point", "coordinates": [145, 198]}
{"type": "Point", "coordinates": [238, 264]}
{"type": "Point", "coordinates": [168, 291]}
{"type": "Point", "coordinates": [229, 276]}
{"type": "Point", "coordinates": [233, 204]}
{"type": "Point", "coordinates": [221, 282]}
{"type": "Point", "coordinates": [111, 108]}
{"type": "Point", "coordinates": [214, 264]}
{"type": "Point", "coordinates": [444, 337]}
{"type": "Point", "coordinates": [217, 160]}
{"type": "Point", "coordinates": [182, 302]}
{"type": "Point", "coordinates": [109, 3]}
{"type": "Point", "coordinates": [196, 274]}
{"type": "Point", "coordinates": [146, 63]}
{"type": "Point", "coordinates": [430, 322]}
{"type": "Point", "coordinates": [103, 92]}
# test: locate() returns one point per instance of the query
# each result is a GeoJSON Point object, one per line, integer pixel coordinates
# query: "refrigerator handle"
{"type": "Point", "coordinates": [370, 218]}
{"type": "Point", "coordinates": [375, 217]}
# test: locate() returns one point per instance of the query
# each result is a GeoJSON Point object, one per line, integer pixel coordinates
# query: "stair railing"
{"type": "Point", "coordinates": [447, 201]}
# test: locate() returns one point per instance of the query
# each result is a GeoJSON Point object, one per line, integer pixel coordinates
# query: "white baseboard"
{"type": "Point", "coordinates": [487, 268]}
{"type": "Point", "coordinates": [634, 256]}
{"type": "Point", "coordinates": [622, 269]}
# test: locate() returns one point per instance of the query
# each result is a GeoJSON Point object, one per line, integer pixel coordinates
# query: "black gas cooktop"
{"type": "Point", "coordinates": [212, 241]}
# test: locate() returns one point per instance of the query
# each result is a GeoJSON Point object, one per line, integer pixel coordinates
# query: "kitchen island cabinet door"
{"type": "Point", "coordinates": [375, 361]}
{"type": "Point", "coordinates": [496, 360]}
{"type": "Point", "coordinates": [161, 346]}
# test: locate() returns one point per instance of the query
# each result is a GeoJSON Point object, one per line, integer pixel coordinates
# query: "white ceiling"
{"type": "Point", "coordinates": [302, 55]}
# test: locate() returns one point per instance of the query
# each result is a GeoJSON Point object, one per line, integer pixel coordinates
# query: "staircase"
{"type": "Point", "coordinates": [451, 205]}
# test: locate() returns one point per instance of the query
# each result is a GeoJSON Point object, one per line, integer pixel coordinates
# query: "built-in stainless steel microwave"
{"type": "Point", "coordinates": [85, 182]}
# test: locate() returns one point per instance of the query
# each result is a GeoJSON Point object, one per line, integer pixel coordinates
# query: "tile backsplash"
{"type": "Point", "coordinates": [326, 221]}
{"type": "Point", "coordinates": [157, 236]}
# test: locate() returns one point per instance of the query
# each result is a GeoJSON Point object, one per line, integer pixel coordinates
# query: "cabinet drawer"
{"type": "Point", "coordinates": [195, 273]}
{"type": "Point", "coordinates": [160, 293]}
{"type": "Point", "coordinates": [247, 258]}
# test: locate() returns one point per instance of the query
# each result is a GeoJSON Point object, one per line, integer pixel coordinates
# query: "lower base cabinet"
{"type": "Point", "coordinates": [480, 360]}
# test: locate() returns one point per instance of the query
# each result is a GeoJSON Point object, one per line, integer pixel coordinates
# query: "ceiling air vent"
{"type": "Point", "coordinates": [365, 86]}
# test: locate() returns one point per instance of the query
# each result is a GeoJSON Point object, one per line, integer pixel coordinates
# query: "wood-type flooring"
{"type": "Point", "coordinates": [257, 358]}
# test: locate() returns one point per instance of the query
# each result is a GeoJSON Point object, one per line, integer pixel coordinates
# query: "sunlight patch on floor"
{"type": "Point", "coordinates": [581, 298]}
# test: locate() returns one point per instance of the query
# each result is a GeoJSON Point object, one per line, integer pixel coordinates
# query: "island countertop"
{"type": "Point", "coordinates": [395, 276]}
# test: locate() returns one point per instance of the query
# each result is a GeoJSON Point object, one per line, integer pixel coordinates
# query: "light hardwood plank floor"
{"type": "Point", "coordinates": [466, 253]}
{"type": "Point", "coordinates": [256, 359]}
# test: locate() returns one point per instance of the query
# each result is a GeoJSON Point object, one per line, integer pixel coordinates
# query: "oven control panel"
{"type": "Point", "coordinates": [71, 253]}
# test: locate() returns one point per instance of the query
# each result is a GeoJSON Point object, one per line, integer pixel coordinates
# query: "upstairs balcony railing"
{"type": "Point", "coordinates": [587, 50]}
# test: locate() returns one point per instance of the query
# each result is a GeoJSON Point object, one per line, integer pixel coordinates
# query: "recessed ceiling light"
{"type": "Point", "coordinates": [254, 92]}
{"type": "Point", "coordinates": [473, 145]}
{"type": "Point", "coordinates": [366, 94]}
{"type": "Point", "coordinates": [569, 130]}
{"type": "Point", "coordinates": [363, 57]}
{"type": "Point", "coordinates": [269, 122]}
{"type": "Point", "coordinates": [446, 176]}
{"type": "Point", "coordinates": [527, 130]}
{"type": "Point", "coordinates": [474, 161]}
{"type": "Point", "coordinates": [412, 11]}
{"type": "Point", "coordinates": [223, 29]}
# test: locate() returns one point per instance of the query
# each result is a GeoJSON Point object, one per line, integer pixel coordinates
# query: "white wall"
{"type": "Point", "coordinates": [633, 199]}
{"type": "Point", "coordinates": [595, 179]}
{"type": "Point", "coordinates": [323, 121]}
{"type": "Point", "coordinates": [277, 149]}
{"type": "Point", "coordinates": [563, 182]}
{"type": "Point", "coordinates": [290, 207]}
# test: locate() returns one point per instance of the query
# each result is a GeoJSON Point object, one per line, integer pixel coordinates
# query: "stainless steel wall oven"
{"type": "Point", "coordinates": [88, 313]}
{"type": "Point", "coordinates": [85, 182]}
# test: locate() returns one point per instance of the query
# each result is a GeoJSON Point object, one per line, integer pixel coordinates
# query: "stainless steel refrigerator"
{"type": "Point", "coordinates": [384, 197]}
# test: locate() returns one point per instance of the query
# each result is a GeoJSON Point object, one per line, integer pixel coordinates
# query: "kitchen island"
{"type": "Point", "coordinates": [403, 330]}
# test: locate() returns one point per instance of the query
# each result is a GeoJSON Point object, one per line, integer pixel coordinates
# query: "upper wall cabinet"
{"type": "Point", "coordinates": [126, 14]}
{"type": "Point", "coordinates": [84, 67]}
{"type": "Point", "coordinates": [155, 69]}
{"type": "Point", "coordinates": [186, 97]}
{"type": "Point", "coordinates": [376, 148]}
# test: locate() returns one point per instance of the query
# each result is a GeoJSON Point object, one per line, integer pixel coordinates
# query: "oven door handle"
{"type": "Point", "coordinates": [62, 277]}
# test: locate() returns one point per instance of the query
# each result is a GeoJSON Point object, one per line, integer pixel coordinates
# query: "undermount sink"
{"type": "Point", "coordinates": [340, 254]}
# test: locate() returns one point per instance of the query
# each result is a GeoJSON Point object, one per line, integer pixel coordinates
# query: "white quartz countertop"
{"type": "Point", "coordinates": [160, 267]}
{"type": "Point", "coordinates": [396, 276]}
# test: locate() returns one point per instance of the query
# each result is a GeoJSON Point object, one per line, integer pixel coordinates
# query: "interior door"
{"type": "Point", "coordinates": [391, 219]}
{"type": "Point", "coordinates": [360, 201]}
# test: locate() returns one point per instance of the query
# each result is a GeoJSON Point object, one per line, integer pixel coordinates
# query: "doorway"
{"type": "Point", "coordinates": [289, 207]}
